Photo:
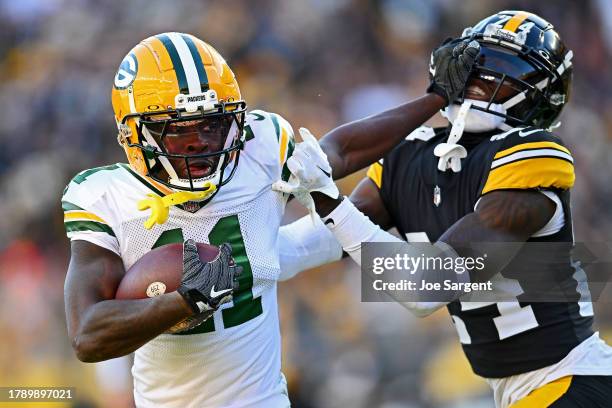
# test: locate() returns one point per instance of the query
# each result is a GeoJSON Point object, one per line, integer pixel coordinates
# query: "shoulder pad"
{"type": "Point", "coordinates": [270, 141]}
{"type": "Point", "coordinates": [89, 185]}
{"type": "Point", "coordinates": [86, 214]}
{"type": "Point", "coordinates": [523, 133]}
{"type": "Point", "coordinates": [528, 158]}
{"type": "Point", "coordinates": [266, 125]}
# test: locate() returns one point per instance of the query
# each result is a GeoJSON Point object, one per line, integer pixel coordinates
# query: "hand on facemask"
{"type": "Point", "coordinates": [450, 66]}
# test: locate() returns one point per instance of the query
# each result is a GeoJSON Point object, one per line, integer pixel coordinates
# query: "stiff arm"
{"type": "Point", "coordinates": [501, 216]}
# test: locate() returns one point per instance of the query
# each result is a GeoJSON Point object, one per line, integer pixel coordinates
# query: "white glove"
{"type": "Point", "coordinates": [310, 171]}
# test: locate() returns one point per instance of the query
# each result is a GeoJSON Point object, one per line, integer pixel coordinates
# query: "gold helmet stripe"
{"type": "Point", "coordinates": [516, 20]}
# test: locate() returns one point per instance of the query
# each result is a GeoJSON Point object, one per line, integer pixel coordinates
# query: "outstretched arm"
{"type": "Point", "coordinates": [354, 145]}
{"type": "Point", "coordinates": [357, 144]}
{"type": "Point", "coordinates": [501, 216]}
{"type": "Point", "coordinates": [304, 244]}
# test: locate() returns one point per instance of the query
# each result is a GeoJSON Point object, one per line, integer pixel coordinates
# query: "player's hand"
{"type": "Point", "coordinates": [310, 172]}
{"type": "Point", "coordinates": [207, 285]}
{"type": "Point", "coordinates": [450, 66]}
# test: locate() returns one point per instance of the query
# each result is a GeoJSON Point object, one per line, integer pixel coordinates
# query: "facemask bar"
{"type": "Point", "coordinates": [152, 152]}
{"type": "Point", "coordinates": [223, 162]}
{"type": "Point", "coordinates": [525, 90]}
{"type": "Point", "coordinates": [540, 90]}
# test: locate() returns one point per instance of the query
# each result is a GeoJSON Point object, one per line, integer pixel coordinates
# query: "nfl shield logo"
{"type": "Point", "coordinates": [437, 196]}
{"type": "Point", "coordinates": [191, 206]}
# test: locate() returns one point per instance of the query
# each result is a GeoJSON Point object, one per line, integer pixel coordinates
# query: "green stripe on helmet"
{"type": "Point", "coordinates": [198, 62]}
{"type": "Point", "coordinates": [176, 63]}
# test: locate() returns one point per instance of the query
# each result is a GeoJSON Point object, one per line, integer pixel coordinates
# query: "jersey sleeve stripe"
{"type": "Point", "coordinates": [276, 125]}
{"type": "Point", "coordinates": [530, 146]}
{"type": "Point", "coordinates": [538, 172]}
{"type": "Point", "coordinates": [283, 146]}
{"type": "Point", "coordinates": [73, 226]}
{"type": "Point", "coordinates": [526, 154]}
{"type": "Point", "coordinates": [68, 206]}
{"type": "Point", "coordinates": [82, 215]}
{"type": "Point", "coordinates": [546, 395]}
{"type": "Point", "coordinates": [375, 174]}
{"type": "Point", "coordinates": [285, 173]}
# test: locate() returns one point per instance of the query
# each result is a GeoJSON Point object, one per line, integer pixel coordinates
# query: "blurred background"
{"type": "Point", "coordinates": [318, 63]}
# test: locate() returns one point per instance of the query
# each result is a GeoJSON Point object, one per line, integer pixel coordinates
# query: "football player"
{"type": "Point", "coordinates": [495, 174]}
{"type": "Point", "coordinates": [200, 169]}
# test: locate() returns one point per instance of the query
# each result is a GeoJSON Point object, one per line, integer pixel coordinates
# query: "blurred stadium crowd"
{"type": "Point", "coordinates": [318, 63]}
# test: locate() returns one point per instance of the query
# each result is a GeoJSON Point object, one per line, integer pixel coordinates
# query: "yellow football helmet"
{"type": "Point", "coordinates": [175, 79]}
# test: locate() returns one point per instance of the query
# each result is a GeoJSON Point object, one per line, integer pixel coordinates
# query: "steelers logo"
{"type": "Point", "coordinates": [126, 72]}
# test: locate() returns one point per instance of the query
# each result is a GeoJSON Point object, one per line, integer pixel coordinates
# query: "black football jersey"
{"type": "Point", "coordinates": [505, 338]}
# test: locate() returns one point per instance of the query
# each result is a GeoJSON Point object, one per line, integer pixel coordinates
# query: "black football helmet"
{"type": "Point", "coordinates": [523, 51]}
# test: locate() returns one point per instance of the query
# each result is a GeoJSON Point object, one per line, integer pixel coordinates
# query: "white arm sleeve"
{"type": "Point", "coordinates": [351, 227]}
{"type": "Point", "coordinates": [304, 245]}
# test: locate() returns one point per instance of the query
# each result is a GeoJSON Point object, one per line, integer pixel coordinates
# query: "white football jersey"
{"type": "Point", "coordinates": [233, 359]}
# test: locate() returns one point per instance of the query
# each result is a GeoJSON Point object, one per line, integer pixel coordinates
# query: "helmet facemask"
{"type": "Point", "coordinates": [517, 86]}
{"type": "Point", "coordinates": [211, 136]}
{"type": "Point", "coordinates": [531, 60]}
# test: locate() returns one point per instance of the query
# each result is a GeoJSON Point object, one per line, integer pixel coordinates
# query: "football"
{"type": "Point", "coordinates": [159, 271]}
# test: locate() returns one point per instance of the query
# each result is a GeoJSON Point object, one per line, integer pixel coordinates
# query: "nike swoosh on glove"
{"type": "Point", "coordinates": [207, 285]}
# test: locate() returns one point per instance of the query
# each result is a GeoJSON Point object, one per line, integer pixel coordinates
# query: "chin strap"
{"type": "Point", "coordinates": [450, 152]}
{"type": "Point", "coordinates": [160, 206]}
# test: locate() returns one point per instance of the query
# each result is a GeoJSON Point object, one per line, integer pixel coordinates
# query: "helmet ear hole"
{"type": "Point", "coordinates": [124, 134]}
{"type": "Point", "coordinates": [544, 54]}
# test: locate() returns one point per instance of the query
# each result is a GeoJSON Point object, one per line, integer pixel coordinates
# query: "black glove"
{"type": "Point", "coordinates": [450, 66]}
{"type": "Point", "coordinates": [207, 285]}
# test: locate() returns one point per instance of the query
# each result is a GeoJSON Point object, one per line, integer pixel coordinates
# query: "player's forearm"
{"type": "Point", "coordinates": [305, 245]}
{"type": "Point", "coordinates": [357, 144]}
{"type": "Point", "coordinates": [114, 328]}
{"type": "Point", "coordinates": [349, 226]}
{"type": "Point", "coordinates": [503, 221]}
{"type": "Point", "coordinates": [352, 228]}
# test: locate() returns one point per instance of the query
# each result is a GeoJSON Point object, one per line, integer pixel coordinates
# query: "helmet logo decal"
{"type": "Point", "coordinates": [127, 72]}
{"type": "Point", "coordinates": [510, 28]}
